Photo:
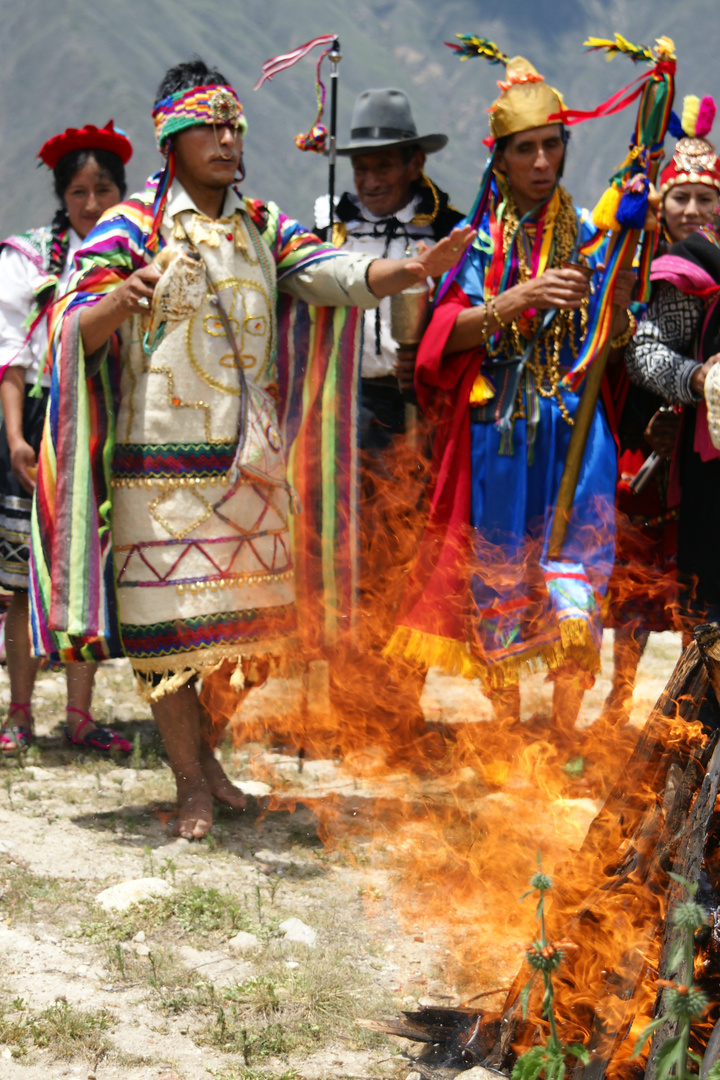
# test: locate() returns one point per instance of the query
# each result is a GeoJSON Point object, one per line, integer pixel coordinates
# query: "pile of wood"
{"type": "Point", "coordinates": [660, 816]}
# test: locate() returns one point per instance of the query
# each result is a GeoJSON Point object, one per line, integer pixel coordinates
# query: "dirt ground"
{"type": "Point", "coordinates": [206, 978]}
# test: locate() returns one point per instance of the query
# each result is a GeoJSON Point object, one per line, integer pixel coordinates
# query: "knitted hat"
{"type": "Point", "coordinates": [86, 138]}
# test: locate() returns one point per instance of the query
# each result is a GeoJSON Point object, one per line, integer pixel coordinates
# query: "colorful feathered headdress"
{"type": "Point", "coordinates": [694, 159]}
{"type": "Point", "coordinates": [526, 100]}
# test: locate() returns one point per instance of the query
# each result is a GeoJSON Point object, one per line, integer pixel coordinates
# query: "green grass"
{"type": "Point", "coordinates": [62, 1029]}
{"type": "Point", "coordinates": [193, 913]}
{"type": "Point", "coordinates": [23, 893]}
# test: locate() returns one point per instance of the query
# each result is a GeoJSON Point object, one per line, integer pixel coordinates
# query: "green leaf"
{"type": "Point", "coordinates": [525, 996]}
{"type": "Point", "coordinates": [714, 1072]}
{"type": "Point", "coordinates": [529, 1065]}
{"type": "Point", "coordinates": [574, 767]}
{"type": "Point", "coordinates": [697, 1058]}
{"type": "Point", "coordinates": [691, 886]}
{"type": "Point", "coordinates": [578, 1051]}
{"type": "Point", "coordinates": [676, 957]}
{"type": "Point", "coordinates": [646, 1033]}
{"type": "Point", "coordinates": [668, 1056]}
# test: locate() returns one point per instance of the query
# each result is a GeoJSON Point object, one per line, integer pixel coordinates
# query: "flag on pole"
{"type": "Point", "coordinates": [285, 60]}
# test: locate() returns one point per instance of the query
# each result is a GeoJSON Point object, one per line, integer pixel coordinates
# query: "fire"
{"type": "Point", "coordinates": [457, 812]}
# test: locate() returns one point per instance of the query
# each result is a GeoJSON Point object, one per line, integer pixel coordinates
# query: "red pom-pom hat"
{"type": "Point", "coordinates": [86, 138]}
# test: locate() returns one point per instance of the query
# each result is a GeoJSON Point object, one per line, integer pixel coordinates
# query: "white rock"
{"type": "Point", "coordinates": [292, 964]}
{"type": "Point", "coordinates": [215, 965]}
{"type": "Point", "coordinates": [122, 896]}
{"type": "Point", "coordinates": [254, 788]}
{"type": "Point", "coordinates": [297, 930]}
{"type": "Point", "coordinates": [140, 936]}
{"type": "Point", "coordinates": [479, 1073]}
{"type": "Point", "coordinates": [243, 942]}
{"type": "Point", "coordinates": [40, 774]}
{"type": "Point", "coordinates": [141, 949]}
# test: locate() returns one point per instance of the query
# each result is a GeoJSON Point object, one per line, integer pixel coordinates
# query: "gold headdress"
{"type": "Point", "coordinates": [526, 100]}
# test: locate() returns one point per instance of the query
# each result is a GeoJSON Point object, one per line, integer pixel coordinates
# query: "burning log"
{"type": "Point", "coordinates": [630, 846]}
{"type": "Point", "coordinates": [655, 819]}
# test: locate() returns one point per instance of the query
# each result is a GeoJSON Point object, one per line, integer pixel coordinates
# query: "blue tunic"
{"type": "Point", "coordinates": [528, 607]}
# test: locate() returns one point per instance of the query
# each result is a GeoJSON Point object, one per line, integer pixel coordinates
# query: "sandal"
{"type": "Point", "coordinates": [14, 739]}
{"type": "Point", "coordinates": [103, 739]}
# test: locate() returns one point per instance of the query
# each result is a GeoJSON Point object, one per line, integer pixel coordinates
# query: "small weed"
{"type": "Point", "coordinates": [246, 1072]}
{"type": "Point", "coordinates": [21, 891]}
{"type": "Point", "coordinates": [205, 910]}
{"type": "Point", "coordinates": [61, 1028]}
{"type": "Point", "coordinates": [136, 756]}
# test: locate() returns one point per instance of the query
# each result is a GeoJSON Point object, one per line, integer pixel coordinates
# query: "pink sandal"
{"type": "Point", "coordinates": [103, 739]}
{"type": "Point", "coordinates": [15, 739]}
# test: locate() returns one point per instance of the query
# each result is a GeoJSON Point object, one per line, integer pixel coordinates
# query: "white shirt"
{"type": "Point", "coordinates": [373, 365]}
{"type": "Point", "coordinates": [19, 277]}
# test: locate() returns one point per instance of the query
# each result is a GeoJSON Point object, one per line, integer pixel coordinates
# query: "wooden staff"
{"type": "Point", "coordinates": [591, 390]}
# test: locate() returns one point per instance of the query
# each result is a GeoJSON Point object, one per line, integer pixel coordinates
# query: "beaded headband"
{"type": "Point", "coordinates": [198, 105]}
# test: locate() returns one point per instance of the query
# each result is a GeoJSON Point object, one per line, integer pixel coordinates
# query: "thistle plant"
{"type": "Point", "coordinates": [545, 957]}
{"type": "Point", "coordinates": [684, 1002]}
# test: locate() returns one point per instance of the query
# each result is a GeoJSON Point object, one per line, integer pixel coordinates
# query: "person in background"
{"type": "Point", "coordinates": [642, 589]}
{"type": "Point", "coordinates": [394, 208]}
{"type": "Point", "coordinates": [88, 166]}
{"type": "Point", "coordinates": [676, 345]}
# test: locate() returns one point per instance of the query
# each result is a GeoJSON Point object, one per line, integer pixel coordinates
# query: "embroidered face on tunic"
{"type": "Point", "coordinates": [247, 306]}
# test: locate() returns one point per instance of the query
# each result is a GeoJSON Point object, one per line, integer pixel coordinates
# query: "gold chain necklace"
{"type": "Point", "coordinates": [545, 360]}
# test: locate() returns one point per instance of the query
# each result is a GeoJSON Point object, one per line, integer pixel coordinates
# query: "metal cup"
{"type": "Point", "coordinates": [408, 314]}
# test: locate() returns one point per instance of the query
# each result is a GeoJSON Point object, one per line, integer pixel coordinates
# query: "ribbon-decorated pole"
{"type": "Point", "coordinates": [317, 139]}
{"type": "Point", "coordinates": [335, 57]}
{"type": "Point", "coordinates": [623, 210]}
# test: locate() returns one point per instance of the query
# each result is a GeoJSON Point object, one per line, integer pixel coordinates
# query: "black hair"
{"type": "Point", "coordinates": [190, 73]}
{"type": "Point", "coordinates": [63, 175]}
{"type": "Point", "coordinates": [503, 142]}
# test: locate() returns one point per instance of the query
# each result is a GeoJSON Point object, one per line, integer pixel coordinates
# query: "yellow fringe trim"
{"type": "Point", "coordinates": [431, 650]}
{"type": "Point", "coordinates": [176, 671]}
{"type": "Point", "coordinates": [456, 658]}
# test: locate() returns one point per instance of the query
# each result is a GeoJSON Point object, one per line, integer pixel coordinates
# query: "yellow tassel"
{"type": "Point", "coordinates": [604, 214]}
{"type": "Point", "coordinates": [482, 390]}
{"type": "Point", "coordinates": [431, 650]}
{"type": "Point", "coordinates": [237, 679]}
{"type": "Point", "coordinates": [691, 108]}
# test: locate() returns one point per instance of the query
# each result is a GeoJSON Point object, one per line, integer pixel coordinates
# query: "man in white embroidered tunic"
{"type": "Point", "coordinates": [200, 518]}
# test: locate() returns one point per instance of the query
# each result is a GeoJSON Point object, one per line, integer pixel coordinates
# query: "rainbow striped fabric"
{"type": "Point", "coordinates": [72, 587]}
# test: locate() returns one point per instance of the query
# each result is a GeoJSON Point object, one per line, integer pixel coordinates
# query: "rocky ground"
{"type": "Point", "coordinates": [253, 953]}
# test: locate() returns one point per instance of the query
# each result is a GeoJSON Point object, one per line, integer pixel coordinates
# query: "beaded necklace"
{"type": "Point", "coordinates": [544, 363]}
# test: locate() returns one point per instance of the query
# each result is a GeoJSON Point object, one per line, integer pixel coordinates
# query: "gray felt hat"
{"type": "Point", "coordinates": [381, 119]}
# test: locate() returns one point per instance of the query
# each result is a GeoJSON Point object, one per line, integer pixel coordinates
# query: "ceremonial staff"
{"type": "Point", "coordinates": [318, 139]}
{"type": "Point", "coordinates": [623, 209]}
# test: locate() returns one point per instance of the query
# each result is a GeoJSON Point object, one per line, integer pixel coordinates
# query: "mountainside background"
{"type": "Point", "coordinates": [70, 62]}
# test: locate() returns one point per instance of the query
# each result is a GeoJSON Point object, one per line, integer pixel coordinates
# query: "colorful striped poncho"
{"type": "Point", "coordinates": [74, 607]}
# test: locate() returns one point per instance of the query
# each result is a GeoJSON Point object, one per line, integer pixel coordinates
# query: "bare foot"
{"type": "Point", "coordinates": [194, 820]}
{"type": "Point", "coordinates": [218, 783]}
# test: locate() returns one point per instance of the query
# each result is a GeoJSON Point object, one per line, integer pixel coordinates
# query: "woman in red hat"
{"type": "Point", "coordinates": [88, 167]}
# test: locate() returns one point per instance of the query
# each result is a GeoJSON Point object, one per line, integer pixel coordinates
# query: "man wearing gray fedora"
{"type": "Point", "coordinates": [394, 207]}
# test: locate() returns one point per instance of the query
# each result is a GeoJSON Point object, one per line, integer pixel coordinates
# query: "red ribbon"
{"type": "Point", "coordinates": [617, 102]}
